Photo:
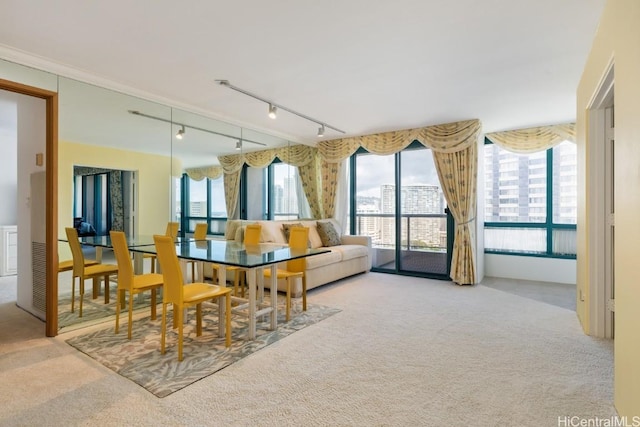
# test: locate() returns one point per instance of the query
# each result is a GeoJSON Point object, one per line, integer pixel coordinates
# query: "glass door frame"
{"type": "Point", "coordinates": [450, 223]}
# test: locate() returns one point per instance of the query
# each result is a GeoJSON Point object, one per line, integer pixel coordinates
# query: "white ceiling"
{"type": "Point", "coordinates": [360, 65]}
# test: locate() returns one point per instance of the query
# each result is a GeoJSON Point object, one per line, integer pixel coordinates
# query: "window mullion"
{"type": "Point", "coordinates": [549, 219]}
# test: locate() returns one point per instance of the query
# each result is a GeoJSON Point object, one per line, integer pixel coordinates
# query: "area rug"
{"type": "Point", "coordinates": [94, 310]}
{"type": "Point", "coordinates": [140, 361]}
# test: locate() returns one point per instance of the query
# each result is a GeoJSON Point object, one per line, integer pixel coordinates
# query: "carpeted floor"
{"type": "Point", "coordinates": [140, 360]}
{"type": "Point", "coordinates": [403, 351]}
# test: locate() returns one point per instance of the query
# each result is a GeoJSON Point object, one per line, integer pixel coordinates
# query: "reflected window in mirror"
{"type": "Point", "coordinates": [286, 199]}
{"type": "Point", "coordinates": [203, 201]}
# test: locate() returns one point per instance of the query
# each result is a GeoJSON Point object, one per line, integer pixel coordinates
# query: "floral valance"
{"type": "Point", "coordinates": [198, 174]}
{"type": "Point", "coordinates": [295, 155]}
{"type": "Point", "coordinates": [534, 139]}
{"type": "Point", "coordinates": [446, 138]}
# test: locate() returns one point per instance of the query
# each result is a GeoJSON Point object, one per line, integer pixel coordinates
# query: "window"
{"type": "Point", "coordinates": [203, 201]}
{"type": "Point", "coordinates": [283, 191]}
{"type": "Point", "coordinates": [531, 201]}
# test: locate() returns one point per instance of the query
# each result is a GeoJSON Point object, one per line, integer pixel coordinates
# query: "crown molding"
{"type": "Point", "coordinates": [27, 59]}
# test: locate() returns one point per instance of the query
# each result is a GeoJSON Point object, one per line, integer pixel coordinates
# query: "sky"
{"type": "Point", "coordinates": [373, 171]}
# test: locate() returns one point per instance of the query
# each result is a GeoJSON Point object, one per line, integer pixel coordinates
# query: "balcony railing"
{"type": "Point", "coordinates": [419, 232]}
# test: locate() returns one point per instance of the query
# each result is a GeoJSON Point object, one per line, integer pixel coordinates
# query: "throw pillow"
{"type": "Point", "coordinates": [328, 234]}
{"type": "Point", "coordinates": [286, 229]}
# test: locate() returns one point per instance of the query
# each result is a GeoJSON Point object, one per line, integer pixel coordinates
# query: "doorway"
{"type": "Point", "coordinates": [601, 233]}
{"type": "Point", "coordinates": [399, 203]}
{"type": "Point", "coordinates": [49, 255]}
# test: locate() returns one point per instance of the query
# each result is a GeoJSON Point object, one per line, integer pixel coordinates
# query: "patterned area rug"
{"type": "Point", "coordinates": [140, 360]}
{"type": "Point", "coordinates": [95, 309]}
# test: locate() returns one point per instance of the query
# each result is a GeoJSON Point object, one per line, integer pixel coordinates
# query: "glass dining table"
{"type": "Point", "coordinates": [252, 258]}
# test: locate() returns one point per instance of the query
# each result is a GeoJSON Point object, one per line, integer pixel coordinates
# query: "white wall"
{"type": "Point", "coordinates": [530, 268]}
{"type": "Point", "coordinates": [31, 138]}
{"type": "Point", "coordinates": [8, 158]}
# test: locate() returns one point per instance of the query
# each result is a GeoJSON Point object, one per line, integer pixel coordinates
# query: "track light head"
{"type": "Point", "coordinates": [273, 111]}
{"type": "Point", "coordinates": [180, 133]}
{"type": "Point", "coordinates": [239, 145]}
{"type": "Point", "coordinates": [321, 131]}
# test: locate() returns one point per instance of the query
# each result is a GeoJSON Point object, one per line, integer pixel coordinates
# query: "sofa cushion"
{"type": "Point", "coordinates": [271, 232]}
{"type": "Point", "coordinates": [314, 237]}
{"type": "Point", "coordinates": [351, 251]}
{"type": "Point", "coordinates": [328, 233]}
{"type": "Point", "coordinates": [320, 260]}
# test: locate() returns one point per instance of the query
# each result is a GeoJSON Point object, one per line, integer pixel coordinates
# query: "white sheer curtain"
{"type": "Point", "coordinates": [304, 210]}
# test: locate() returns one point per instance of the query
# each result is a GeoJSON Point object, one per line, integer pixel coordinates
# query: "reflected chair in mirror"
{"type": "Point", "coordinates": [129, 282]}
{"type": "Point", "coordinates": [298, 240]}
{"type": "Point", "coordinates": [251, 237]}
{"type": "Point", "coordinates": [67, 265]}
{"type": "Point", "coordinates": [181, 295]}
{"type": "Point", "coordinates": [84, 272]}
{"type": "Point", "coordinates": [172, 231]}
{"type": "Point", "coordinates": [200, 233]}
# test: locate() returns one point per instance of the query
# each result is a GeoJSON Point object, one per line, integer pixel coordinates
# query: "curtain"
{"type": "Point", "coordinates": [455, 154]}
{"type": "Point", "coordinates": [198, 174]}
{"type": "Point", "coordinates": [302, 156]}
{"type": "Point", "coordinates": [117, 200]}
{"type": "Point", "coordinates": [232, 168]}
{"type": "Point", "coordinates": [530, 140]}
{"type": "Point", "coordinates": [457, 174]}
{"type": "Point", "coordinates": [311, 183]}
{"type": "Point", "coordinates": [330, 175]}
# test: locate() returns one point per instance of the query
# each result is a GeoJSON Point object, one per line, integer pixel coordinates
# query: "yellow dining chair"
{"type": "Point", "coordinates": [298, 240]}
{"type": "Point", "coordinates": [181, 296]}
{"type": "Point", "coordinates": [200, 233]}
{"type": "Point", "coordinates": [83, 272]}
{"type": "Point", "coordinates": [172, 230]}
{"type": "Point", "coordinates": [67, 265]}
{"type": "Point", "coordinates": [129, 282]}
{"type": "Point", "coordinates": [251, 237]}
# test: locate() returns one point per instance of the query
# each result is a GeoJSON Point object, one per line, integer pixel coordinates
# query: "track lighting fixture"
{"type": "Point", "coordinates": [273, 111]}
{"type": "Point", "coordinates": [273, 107]}
{"type": "Point", "coordinates": [239, 145]}
{"type": "Point", "coordinates": [180, 133]}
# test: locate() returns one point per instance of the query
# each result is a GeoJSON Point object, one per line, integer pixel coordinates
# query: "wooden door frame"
{"type": "Point", "coordinates": [51, 173]}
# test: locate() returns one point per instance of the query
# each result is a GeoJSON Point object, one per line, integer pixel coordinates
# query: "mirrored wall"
{"type": "Point", "coordinates": [107, 139]}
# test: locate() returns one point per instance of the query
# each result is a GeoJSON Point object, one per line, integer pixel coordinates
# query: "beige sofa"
{"type": "Point", "coordinates": [351, 256]}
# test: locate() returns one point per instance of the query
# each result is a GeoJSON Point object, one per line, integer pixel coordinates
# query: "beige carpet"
{"type": "Point", "coordinates": [403, 351]}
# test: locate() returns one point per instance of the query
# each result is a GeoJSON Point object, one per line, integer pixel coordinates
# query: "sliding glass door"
{"type": "Point", "coordinates": [408, 227]}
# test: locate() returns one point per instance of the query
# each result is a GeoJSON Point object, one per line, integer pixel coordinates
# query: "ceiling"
{"type": "Point", "coordinates": [359, 65]}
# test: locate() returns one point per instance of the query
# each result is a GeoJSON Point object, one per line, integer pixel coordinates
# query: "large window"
{"type": "Point", "coordinates": [203, 201]}
{"type": "Point", "coordinates": [530, 201]}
